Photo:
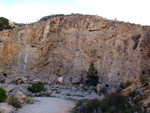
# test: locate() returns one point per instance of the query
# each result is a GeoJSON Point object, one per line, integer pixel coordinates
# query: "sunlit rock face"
{"type": "Point", "coordinates": [67, 45]}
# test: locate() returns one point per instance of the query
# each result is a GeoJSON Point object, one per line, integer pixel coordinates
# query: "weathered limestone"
{"type": "Point", "coordinates": [21, 80]}
{"type": "Point", "coordinates": [66, 46]}
{"type": "Point", "coordinates": [77, 80]}
{"type": "Point", "coordinates": [10, 88]}
{"type": "Point", "coordinates": [100, 87]}
{"type": "Point", "coordinates": [5, 108]}
{"type": "Point", "coordinates": [20, 96]}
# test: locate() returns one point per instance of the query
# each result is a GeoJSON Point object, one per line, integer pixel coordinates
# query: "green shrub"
{"type": "Point", "coordinates": [4, 24]}
{"type": "Point", "coordinates": [68, 94]}
{"type": "Point", "coordinates": [125, 84]}
{"type": "Point", "coordinates": [14, 102]}
{"type": "Point", "coordinates": [144, 80]}
{"type": "Point", "coordinates": [29, 100]}
{"type": "Point", "coordinates": [148, 105]}
{"type": "Point", "coordinates": [92, 76]}
{"type": "Point", "coordinates": [114, 103]}
{"type": "Point", "coordinates": [47, 94]}
{"type": "Point", "coordinates": [132, 94]}
{"type": "Point", "coordinates": [92, 105]}
{"type": "Point", "coordinates": [37, 87]}
{"type": "Point", "coordinates": [2, 95]}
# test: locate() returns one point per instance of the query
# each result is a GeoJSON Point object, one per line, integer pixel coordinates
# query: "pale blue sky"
{"type": "Point", "coordinates": [56, 2]}
{"type": "Point", "coordinates": [134, 11]}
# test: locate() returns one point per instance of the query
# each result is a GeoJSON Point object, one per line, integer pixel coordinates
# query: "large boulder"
{"type": "Point", "coordinates": [5, 108]}
{"type": "Point", "coordinates": [10, 88]}
{"type": "Point", "coordinates": [100, 87]}
{"type": "Point", "coordinates": [21, 80]}
{"type": "Point", "coordinates": [77, 80]}
{"type": "Point", "coordinates": [20, 96]}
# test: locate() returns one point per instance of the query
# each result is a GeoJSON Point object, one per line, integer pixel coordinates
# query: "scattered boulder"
{"type": "Point", "coordinates": [5, 108]}
{"type": "Point", "coordinates": [77, 80]}
{"type": "Point", "coordinates": [20, 96]}
{"type": "Point", "coordinates": [36, 80]}
{"type": "Point", "coordinates": [100, 87]}
{"type": "Point", "coordinates": [8, 81]}
{"type": "Point", "coordinates": [21, 80]}
{"type": "Point", "coordinates": [60, 80]}
{"type": "Point", "coordinates": [10, 88]}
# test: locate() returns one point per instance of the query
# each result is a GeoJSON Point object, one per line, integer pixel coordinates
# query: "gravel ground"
{"type": "Point", "coordinates": [48, 105]}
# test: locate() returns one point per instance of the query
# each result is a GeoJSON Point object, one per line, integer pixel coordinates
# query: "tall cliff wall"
{"type": "Point", "coordinates": [65, 46]}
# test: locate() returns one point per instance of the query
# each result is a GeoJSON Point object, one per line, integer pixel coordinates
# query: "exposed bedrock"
{"type": "Point", "coordinates": [67, 45]}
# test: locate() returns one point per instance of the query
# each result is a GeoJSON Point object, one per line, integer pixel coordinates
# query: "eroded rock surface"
{"type": "Point", "coordinates": [67, 45]}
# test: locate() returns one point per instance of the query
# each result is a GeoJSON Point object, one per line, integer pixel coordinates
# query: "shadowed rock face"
{"type": "Point", "coordinates": [67, 45]}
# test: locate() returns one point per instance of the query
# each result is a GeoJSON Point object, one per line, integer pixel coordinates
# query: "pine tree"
{"type": "Point", "coordinates": [92, 76]}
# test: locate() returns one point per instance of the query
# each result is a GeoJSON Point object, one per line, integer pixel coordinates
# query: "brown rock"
{"type": "Point", "coordinates": [10, 88]}
{"type": "Point", "coordinates": [8, 81]}
{"type": "Point", "coordinates": [68, 45]}
{"type": "Point", "coordinates": [77, 80]}
{"type": "Point", "coordinates": [100, 87]}
{"type": "Point", "coordinates": [20, 96]}
{"type": "Point", "coordinates": [129, 89]}
{"type": "Point", "coordinates": [21, 80]}
{"type": "Point", "coordinates": [5, 108]}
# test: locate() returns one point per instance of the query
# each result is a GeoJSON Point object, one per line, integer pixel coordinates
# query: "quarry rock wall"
{"type": "Point", "coordinates": [67, 45]}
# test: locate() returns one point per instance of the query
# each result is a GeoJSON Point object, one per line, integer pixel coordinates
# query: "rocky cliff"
{"type": "Point", "coordinates": [67, 45]}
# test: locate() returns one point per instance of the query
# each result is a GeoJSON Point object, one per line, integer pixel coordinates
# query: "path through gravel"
{"type": "Point", "coordinates": [48, 105]}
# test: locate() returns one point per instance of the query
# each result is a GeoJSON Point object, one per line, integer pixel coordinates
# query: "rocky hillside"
{"type": "Point", "coordinates": [67, 45]}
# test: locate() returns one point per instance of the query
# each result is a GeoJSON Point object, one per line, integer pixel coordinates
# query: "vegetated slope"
{"type": "Point", "coordinates": [67, 45]}
{"type": "Point", "coordinates": [4, 24]}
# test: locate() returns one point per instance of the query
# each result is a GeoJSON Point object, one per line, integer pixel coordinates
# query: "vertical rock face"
{"type": "Point", "coordinates": [67, 45]}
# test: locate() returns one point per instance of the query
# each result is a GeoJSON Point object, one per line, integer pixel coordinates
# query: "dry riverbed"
{"type": "Point", "coordinates": [48, 105]}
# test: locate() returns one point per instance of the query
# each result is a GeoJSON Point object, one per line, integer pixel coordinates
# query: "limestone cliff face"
{"type": "Point", "coordinates": [65, 46]}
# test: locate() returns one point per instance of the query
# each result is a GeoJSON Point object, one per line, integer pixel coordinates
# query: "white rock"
{"type": "Point", "coordinates": [61, 80]}
{"type": "Point", "coordinates": [36, 80]}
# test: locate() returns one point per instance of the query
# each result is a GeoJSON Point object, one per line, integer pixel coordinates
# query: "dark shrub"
{"type": "Point", "coordinates": [92, 76]}
{"type": "Point", "coordinates": [115, 103]}
{"type": "Point", "coordinates": [14, 102]}
{"type": "Point", "coordinates": [144, 80]}
{"type": "Point", "coordinates": [92, 105]}
{"type": "Point", "coordinates": [4, 24]}
{"type": "Point", "coordinates": [125, 84]}
{"type": "Point", "coordinates": [2, 95]}
{"type": "Point", "coordinates": [37, 87]}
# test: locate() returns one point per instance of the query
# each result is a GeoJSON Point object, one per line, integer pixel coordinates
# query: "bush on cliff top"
{"type": "Point", "coordinates": [4, 23]}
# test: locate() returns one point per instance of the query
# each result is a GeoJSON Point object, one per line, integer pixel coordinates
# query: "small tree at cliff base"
{"type": "Point", "coordinates": [92, 75]}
